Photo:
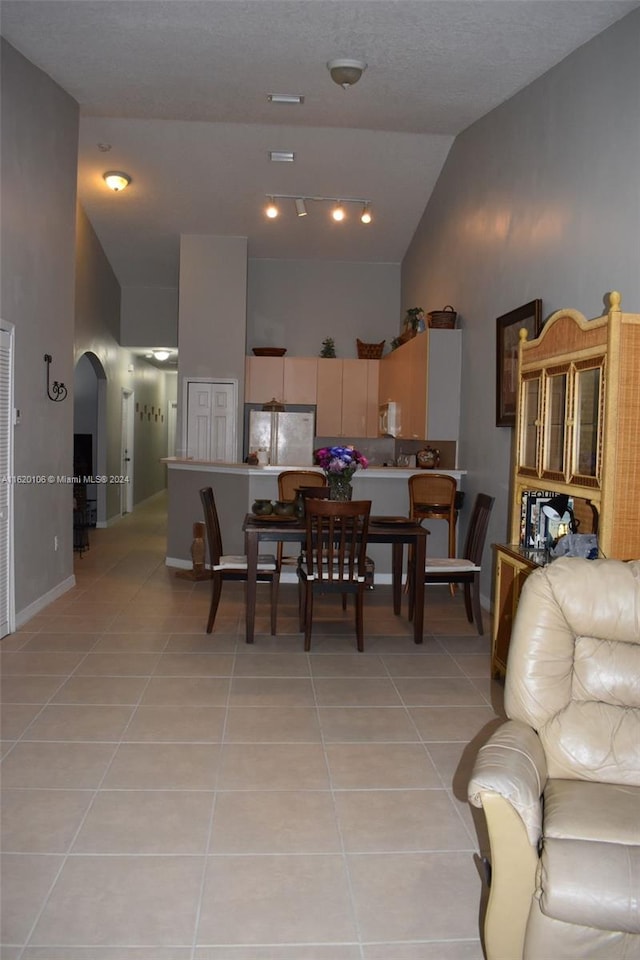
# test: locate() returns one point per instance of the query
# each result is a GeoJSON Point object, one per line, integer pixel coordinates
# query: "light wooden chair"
{"type": "Point", "coordinates": [289, 481]}
{"type": "Point", "coordinates": [226, 567]}
{"type": "Point", "coordinates": [432, 496]}
{"type": "Point", "coordinates": [466, 568]}
{"type": "Point", "coordinates": [334, 558]}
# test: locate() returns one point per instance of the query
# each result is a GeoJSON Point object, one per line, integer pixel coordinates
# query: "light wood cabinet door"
{"type": "Point", "coordinates": [264, 379]}
{"type": "Point", "coordinates": [373, 377]}
{"type": "Point", "coordinates": [355, 398]}
{"type": "Point", "coordinates": [300, 379]}
{"type": "Point", "coordinates": [511, 572]}
{"type": "Point", "coordinates": [329, 398]}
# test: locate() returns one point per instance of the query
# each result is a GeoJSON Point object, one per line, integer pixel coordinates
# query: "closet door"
{"type": "Point", "coordinates": [6, 485]}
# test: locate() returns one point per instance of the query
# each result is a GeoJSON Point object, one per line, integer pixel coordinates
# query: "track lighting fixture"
{"type": "Point", "coordinates": [338, 211]}
{"type": "Point", "coordinates": [116, 180]}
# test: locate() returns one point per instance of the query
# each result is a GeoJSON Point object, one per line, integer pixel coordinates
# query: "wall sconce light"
{"type": "Point", "coordinates": [58, 391]}
{"type": "Point", "coordinates": [116, 180]}
{"type": "Point", "coordinates": [338, 211]}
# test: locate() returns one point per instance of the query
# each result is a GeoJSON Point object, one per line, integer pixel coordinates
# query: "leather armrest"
{"type": "Point", "coordinates": [512, 764]}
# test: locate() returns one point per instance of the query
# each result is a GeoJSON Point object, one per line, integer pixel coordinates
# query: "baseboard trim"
{"type": "Point", "coordinates": [34, 608]}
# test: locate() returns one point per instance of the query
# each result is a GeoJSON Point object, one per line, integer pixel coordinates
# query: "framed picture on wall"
{"type": "Point", "coordinates": [508, 328]}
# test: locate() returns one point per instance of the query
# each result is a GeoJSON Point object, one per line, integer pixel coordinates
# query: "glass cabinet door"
{"type": "Point", "coordinates": [530, 420]}
{"type": "Point", "coordinates": [587, 422]}
{"type": "Point", "coordinates": [555, 424]}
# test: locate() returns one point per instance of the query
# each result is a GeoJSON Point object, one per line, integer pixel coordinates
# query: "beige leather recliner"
{"type": "Point", "coordinates": [559, 782]}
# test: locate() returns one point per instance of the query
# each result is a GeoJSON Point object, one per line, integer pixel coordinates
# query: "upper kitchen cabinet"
{"type": "Point", "coordinates": [424, 377]}
{"type": "Point", "coordinates": [577, 421]}
{"type": "Point", "coordinates": [347, 398]}
{"type": "Point", "coordinates": [288, 379]}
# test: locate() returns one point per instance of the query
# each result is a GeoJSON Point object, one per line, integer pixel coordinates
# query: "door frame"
{"type": "Point", "coordinates": [9, 329]}
{"type": "Point", "coordinates": [184, 419]}
{"type": "Point", "coordinates": [127, 445]}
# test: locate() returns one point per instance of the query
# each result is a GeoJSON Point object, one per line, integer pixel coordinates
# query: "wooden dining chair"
{"type": "Point", "coordinates": [432, 496]}
{"type": "Point", "coordinates": [334, 558]}
{"type": "Point", "coordinates": [289, 482]}
{"type": "Point", "coordinates": [226, 567]}
{"type": "Point", "coordinates": [466, 568]}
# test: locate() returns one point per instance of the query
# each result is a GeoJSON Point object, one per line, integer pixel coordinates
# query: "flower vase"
{"type": "Point", "coordinates": [339, 487]}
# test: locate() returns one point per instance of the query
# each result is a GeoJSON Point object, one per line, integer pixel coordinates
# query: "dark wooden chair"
{"type": "Point", "coordinates": [334, 558]}
{"type": "Point", "coordinates": [226, 567]}
{"type": "Point", "coordinates": [465, 569]}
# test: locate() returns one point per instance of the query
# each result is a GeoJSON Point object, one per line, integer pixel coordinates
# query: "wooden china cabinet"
{"type": "Point", "coordinates": [577, 433]}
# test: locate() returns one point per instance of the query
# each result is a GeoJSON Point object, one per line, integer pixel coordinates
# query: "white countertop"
{"type": "Point", "coordinates": [373, 472]}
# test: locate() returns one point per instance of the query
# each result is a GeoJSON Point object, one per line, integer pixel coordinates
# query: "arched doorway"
{"type": "Point", "coordinates": [90, 430]}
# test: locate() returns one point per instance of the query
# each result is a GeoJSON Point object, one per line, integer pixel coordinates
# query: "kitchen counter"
{"type": "Point", "coordinates": [237, 485]}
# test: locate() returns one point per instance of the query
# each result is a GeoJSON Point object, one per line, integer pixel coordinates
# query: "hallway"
{"type": "Point", "coordinates": [169, 795]}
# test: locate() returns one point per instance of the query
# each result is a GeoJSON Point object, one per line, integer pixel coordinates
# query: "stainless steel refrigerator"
{"type": "Point", "coordinates": [288, 437]}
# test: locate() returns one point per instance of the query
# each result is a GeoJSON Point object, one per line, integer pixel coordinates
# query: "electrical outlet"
{"type": "Point", "coordinates": [55, 543]}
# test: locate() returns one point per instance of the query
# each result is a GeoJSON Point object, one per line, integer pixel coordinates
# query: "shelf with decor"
{"type": "Point", "coordinates": [578, 409]}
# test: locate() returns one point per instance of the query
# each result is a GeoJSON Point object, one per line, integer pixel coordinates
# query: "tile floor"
{"type": "Point", "coordinates": [169, 795]}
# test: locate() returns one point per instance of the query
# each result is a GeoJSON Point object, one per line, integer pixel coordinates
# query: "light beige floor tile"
{"type": "Point", "coordinates": [56, 765]}
{"type": "Point", "coordinates": [346, 665]}
{"type": "Point", "coordinates": [376, 821]}
{"type": "Point", "coordinates": [366, 724]}
{"type": "Point", "coordinates": [30, 689]}
{"type": "Point", "coordinates": [201, 643]}
{"type": "Point", "coordinates": [271, 665]}
{"type": "Point", "coordinates": [106, 953]}
{"type": "Point", "coordinates": [274, 822]}
{"type": "Point", "coordinates": [15, 718]}
{"type": "Point", "coordinates": [26, 879]}
{"type": "Point", "coordinates": [451, 723]}
{"type": "Point", "coordinates": [438, 950]}
{"type": "Point", "coordinates": [273, 766]}
{"type": "Point", "coordinates": [475, 665]}
{"type": "Point", "coordinates": [287, 724]}
{"type": "Point", "coordinates": [118, 664]}
{"type": "Point", "coordinates": [101, 689]}
{"type": "Point", "coordinates": [355, 692]}
{"type": "Point", "coordinates": [61, 642]}
{"type": "Point", "coordinates": [307, 951]}
{"type": "Point", "coordinates": [176, 723]}
{"type": "Point", "coordinates": [271, 692]}
{"type": "Point", "coordinates": [197, 691]}
{"type": "Point", "coordinates": [122, 900]}
{"type": "Point", "coordinates": [146, 821]}
{"type": "Point", "coordinates": [443, 691]}
{"type": "Point", "coordinates": [131, 643]}
{"type": "Point", "coordinates": [367, 766]}
{"type": "Point", "coordinates": [415, 896]}
{"type": "Point", "coordinates": [80, 722]}
{"type": "Point", "coordinates": [168, 766]}
{"type": "Point", "coordinates": [136, 622]}
{"type": "Point", "coordinates": [433, 665]}
{"type": "Point", "coordinates": [276, 899]}
{"type": "Point", "coordinates": [64, 623]}
{"type": "Point", "coordinates": [41, 821]}
{"type": "Point", "coordinates": [194, 665]}
{"type": "Point", "coordinates": [467, 645]}
{"type": "Point", "coordinates": [39, 662]}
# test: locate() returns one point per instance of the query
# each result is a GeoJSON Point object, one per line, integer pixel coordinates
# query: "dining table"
{"type": "Point", "coordinates": [395, 531]}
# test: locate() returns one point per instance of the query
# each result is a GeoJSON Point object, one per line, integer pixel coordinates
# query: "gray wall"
{"type": "Point", "coordinates": [538, 199]}
{"type": "Point", "coordinates": [297, 303]}
{"type": "Point", "coordinates": [149, 317]}
{"type": "Point", "coordinates": [38, 194]}
{"type": "Point", "coordinates": [97, 332]}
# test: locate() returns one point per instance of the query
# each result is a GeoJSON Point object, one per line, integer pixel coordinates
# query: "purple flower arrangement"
{"type": "Point", "coordinates": [342, 461]}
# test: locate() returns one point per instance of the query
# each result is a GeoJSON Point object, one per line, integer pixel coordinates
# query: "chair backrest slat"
{"type": "Point", "coordinates": [290, 480]}
{"type": "Point", "coordinates": [337, 539]}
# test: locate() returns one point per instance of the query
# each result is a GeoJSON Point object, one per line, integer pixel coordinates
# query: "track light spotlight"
{"type": "Point", "coordinates": [338, 212]}
{"type": "Point", "coordinates": [301, 209]}
{"type": "Point", "coordinates": [271, 209]}
{"type": "Point", "coordinates": [365, 216]}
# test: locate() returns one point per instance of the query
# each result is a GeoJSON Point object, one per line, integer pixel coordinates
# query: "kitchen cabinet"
{"type": "Point", "coordinates": [347, 398]}
{"type": "Point", "coordinates": [424, 377]}
{"type": "Point", "coordinates": [288, 379]}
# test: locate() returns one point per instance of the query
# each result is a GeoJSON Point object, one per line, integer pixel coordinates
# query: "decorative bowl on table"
{"type": "Point", "coordinates": [262, 508]}
{"type": "Point", "coordinates": [284, 508]}
{"type": "Point", "coordinates": [269, 351]}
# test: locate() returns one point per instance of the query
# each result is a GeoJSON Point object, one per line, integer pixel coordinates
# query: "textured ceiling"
{"type": "Point", "coordinates": [179, 91]}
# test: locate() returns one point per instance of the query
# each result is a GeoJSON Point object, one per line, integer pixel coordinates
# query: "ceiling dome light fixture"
{"type": "Point", "coordinates": [116, 180]}
{"type": "Point", "coordinates": [162, 355]}
{"type": "Point", "coordinates": [365, 216]}
{"type": "Point", "coordinates": [338, 212]}
{"type": "Point", "coordinates": [271, 209]}
{"type": "Point", "coordinates": [346, 72]}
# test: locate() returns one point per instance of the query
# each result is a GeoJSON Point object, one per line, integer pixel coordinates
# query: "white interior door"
{"type": "Point", "coordinates": [126, 487]}
{"type": "Point", "coordinates": [211, 420]}
{"type": "Point", "coordinates": [7, 617]}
